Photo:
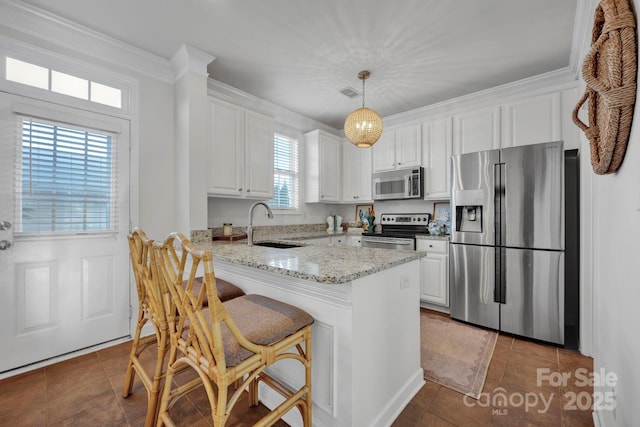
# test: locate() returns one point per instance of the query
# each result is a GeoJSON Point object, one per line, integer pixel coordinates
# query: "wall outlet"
{"type": "Point", "coordinates": [404, 283]}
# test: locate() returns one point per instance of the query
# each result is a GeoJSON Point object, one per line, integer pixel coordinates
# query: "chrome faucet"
{"type": "Point", "coordinates": [250, 227]}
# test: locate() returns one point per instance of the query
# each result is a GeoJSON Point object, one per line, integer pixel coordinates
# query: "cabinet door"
{"type": "Point", "coordinates": [356, 173]}
{"type": "Point", "coordinates": [532, 120]}
{"type": "Point", "coordinates": [435, 283]}
{"type": "Point", "coordinates": [225, 149]}
{"type": "Point", "coordinates": [355, 240]}
{"type": "Point", "coordinates": [437, 139]}
{"type": "Point", "coordinates": [330, 151]}
{"type": "Point", "coordinates": [383, 152]}
{"type": "Point", "coordinates": [318, 241]}
{"type": "Point", "coordinates": [363, 162]}
{"type": "Point", "coordinates": [570, 132]}
{"type": "Point", "coordinates": [477, 130]}
{"type": "Point", "coordinates": [339, 240]}
{"type": "Point", "coordinates": [408, 146]}
{"type": "Point", "coordinates": [258, 164]}
{"type": "Point", "coordinates": [350, 172]}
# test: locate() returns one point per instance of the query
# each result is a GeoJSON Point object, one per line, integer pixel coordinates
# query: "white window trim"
{"type": "Point", "coordinates": [297, 210]}
{"type": "Point", "coordinates": [70, 66]}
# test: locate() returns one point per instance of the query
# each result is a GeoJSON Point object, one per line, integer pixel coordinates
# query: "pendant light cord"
{"type": "Point", "coordinates": [363, 79]}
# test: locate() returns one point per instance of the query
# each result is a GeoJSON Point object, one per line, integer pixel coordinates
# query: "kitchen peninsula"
{"type": "Point", "coordinates": [366, 335]}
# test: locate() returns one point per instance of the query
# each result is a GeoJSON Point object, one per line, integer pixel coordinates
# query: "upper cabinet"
{"type": "Point", "coordinates": [532, 120]}
{"type": "Point", "coordinates": [437, 148]}
{"type": "Point", "coordinates": [356, 173]}
{"type": "Point", "coordinates": [240, 152]}
{"type": "Point", "coordinates": [322, 167]}
{"type": "Point", "coordinates": [398, 148]}
{"type": "Point", "coordinates": [476, 130]}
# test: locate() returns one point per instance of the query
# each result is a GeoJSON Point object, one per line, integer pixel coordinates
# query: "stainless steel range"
{"type": "Point", "coordinates": [398, 231]}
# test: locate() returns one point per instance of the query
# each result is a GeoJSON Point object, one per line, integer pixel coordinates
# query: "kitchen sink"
{"type": "Point", "coordinates": [278, 245]}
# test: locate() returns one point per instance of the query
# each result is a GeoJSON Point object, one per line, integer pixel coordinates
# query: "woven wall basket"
{"type": "Point", "coordinates": [609, 70]}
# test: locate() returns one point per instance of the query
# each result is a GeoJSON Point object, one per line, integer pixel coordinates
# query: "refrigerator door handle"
{"type": "Point", "coordinates": [498, 208]}
{"type": "Point", "coordinates": [499, 202]}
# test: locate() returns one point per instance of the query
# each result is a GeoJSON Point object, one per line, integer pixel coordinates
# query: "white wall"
{"type": "Point", "coordinates": [615, 245]}
{"type": "Point", "coordinates": [155, 169]}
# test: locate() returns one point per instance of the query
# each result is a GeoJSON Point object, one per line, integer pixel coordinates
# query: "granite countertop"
{"type": "Point", "coordinates": [331, 264]}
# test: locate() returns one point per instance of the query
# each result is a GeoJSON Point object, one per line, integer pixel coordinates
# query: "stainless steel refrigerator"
{"type": "Point", "coordinates": [507, 265]}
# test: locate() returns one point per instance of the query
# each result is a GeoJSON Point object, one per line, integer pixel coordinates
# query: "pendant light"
{"type": "Point", "coordinates": [363, 126]}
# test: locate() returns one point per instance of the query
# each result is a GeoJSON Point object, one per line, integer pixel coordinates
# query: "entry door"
{"type": "Point", "coordinates": [61, 290]}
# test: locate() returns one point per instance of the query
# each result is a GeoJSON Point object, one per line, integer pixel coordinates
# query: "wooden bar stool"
{"type": "Point", "coordinates": [229, 343]}
{"type": "Point", "coordinates": [154, 306]}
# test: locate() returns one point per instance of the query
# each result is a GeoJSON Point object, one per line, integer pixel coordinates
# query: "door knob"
{"type": "Point", "coordinates": [4, 244]}
{"type": "Point", "coordinates": [5, 225]}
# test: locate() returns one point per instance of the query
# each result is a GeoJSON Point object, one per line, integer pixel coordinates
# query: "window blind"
{"type": "Point", "coordinates": [285, 175]}
{"type": "Point", "coordinates": [66, 180]}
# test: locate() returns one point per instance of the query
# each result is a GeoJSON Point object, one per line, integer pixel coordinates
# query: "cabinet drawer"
{"type": "Point", "coordinates": [428, 245]}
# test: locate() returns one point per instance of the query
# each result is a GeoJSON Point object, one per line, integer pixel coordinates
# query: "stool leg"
{"type": "Point", "coordinates": [130, 374]}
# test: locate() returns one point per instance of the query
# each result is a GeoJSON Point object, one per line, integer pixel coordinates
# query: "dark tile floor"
{"type": "Point", "coordinates": [87, 391]}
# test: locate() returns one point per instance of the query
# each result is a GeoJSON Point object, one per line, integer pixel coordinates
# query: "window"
{"type": "Point", "coordinates": [63, 83]}
{"type": "Point", "coordinates": [67, 180]}
{"type": "Point", "coordinates": [285, 173]}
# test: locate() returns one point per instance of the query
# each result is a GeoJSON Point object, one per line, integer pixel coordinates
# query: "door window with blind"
{"type": "Point", "coordinates": [66, 179]}
{"type": "Point", "coordinates": [285, 173]}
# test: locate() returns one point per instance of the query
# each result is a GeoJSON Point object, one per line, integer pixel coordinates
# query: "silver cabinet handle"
{"type": "Point", "coordinates": [4, 244]}
{"type": "Point", "coordinates": [5, 225]}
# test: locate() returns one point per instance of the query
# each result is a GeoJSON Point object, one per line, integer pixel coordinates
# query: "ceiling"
{"type": "Point", "coordinates": [299, 54]}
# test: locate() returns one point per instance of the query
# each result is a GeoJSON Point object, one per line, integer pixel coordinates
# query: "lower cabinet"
{"type": "Point", "coordinates": [354, 240]}
{"type": "Point", "coordinates": [339, 240]}
{"type": "Point", "coordinates": [434, 271]}
{"type": "Point", "coordinates": [318, 240]}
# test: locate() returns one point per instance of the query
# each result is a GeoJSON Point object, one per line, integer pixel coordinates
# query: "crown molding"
{"type": "Point", "coordinates": [542, 82]}
{"type": "Point", "coordinates": [280, 114]}
{"type": "Point", "coordinates": [189, 58]}
{"type": "Point", "coordinates": [35, 22]}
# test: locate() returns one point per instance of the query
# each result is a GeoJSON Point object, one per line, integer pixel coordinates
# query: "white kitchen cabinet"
{"type": "Point", "coordinates": [339, 240]}
{"type": "Point", "coordinates": [240, 152]}
{"type": "Point", "coordinates": [437, 148]}
{"type": "Point", "coordinates": [356, 173]}
{"type": "Point", "coordinates": [434, 271]}
{"type": "Point", "coordinates": [398, 148]}
{"type": "Point", "coordinates": [532, 120]}
{"type": "Point", "coordinates": [323, 152]}
{"type": "Point", "coordinates": [476, 130]}
{"type": "Point", "coordinates": [570, 132]}
{"type": "Point", "coordinates": [355, 240]}
{"type": "Point", "coordinates": [318, 240]}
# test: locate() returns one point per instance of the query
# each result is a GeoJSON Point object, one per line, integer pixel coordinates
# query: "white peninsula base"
{"type": "Point", "coordinates": [366, 342]}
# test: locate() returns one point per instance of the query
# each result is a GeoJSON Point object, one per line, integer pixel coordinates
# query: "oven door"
{"type": "Point", "coordinates": [408, 244]}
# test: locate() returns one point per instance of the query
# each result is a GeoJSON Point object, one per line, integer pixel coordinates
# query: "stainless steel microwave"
{"type": "Point", "coordinates": [398, 184]}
